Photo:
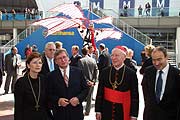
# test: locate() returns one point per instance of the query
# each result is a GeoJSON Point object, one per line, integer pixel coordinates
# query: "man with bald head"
{"type": "Point", "coordinates": [117, 96]}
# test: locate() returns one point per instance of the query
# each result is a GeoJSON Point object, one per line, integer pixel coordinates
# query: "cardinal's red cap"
{"type": "Point", "coordinates": [123, 49]}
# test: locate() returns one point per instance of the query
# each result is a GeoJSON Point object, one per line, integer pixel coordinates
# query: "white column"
{"type": "Point", "coordinates": [14, 33]}
{"type": "Point", "coordinates": [178, 44]}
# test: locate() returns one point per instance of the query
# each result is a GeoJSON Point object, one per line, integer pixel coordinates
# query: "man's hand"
{"type": "Point", "coordinates": [90, 83]}
{"type": "Point", "coordinates": [98, 116]}
{"type": "Point", "coordinates": [3, 73]}
{"type": "Point", "coordinates": [132, 118]}
{"type": "Point", "coordinates": [63, 102]}
{"type": "Point", "coordinates": [74, 101]}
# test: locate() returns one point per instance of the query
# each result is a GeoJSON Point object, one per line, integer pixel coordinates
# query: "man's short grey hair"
{"type": "Point", "coordinates": [48, 44]}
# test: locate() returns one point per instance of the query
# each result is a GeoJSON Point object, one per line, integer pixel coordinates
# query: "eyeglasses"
{"type": "Point", "coordinates": [52, 49]}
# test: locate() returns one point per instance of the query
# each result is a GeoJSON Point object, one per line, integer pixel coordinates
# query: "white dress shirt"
{"type": "Point", "coordinates": [164, 78]}
{"type": "Point", "coordinates": [67, 71]}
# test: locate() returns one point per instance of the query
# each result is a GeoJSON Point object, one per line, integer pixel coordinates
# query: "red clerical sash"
{"type": "Point", "coordinates": [119, 97]}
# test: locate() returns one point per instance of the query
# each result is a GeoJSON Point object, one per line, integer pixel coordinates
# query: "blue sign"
{"type": "Point", "coordinates": [129, 4]}
{"type": "Point", "coordinates": [160, 7]}
{"type": "Point", "coordinates": [97, 4]}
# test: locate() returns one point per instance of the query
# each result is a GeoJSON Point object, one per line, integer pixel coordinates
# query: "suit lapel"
{"type": "Point", "coordinates": [153, 82]}
{"type": "Point", "coordinates": [60, 77]}
{"type": "Point", "coordinates": [168, 82]}
{"type": "Point", "coordinates": [71, 75]}
{"type": "Point", "coordinates": [46, 64]}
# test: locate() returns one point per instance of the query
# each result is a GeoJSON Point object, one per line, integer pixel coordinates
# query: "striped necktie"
{"type": "Point", "coordinates": [65, 77]}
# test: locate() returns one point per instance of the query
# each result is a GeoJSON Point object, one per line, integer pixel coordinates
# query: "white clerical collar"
{"type": "Point", "coordinates": [117, 68]}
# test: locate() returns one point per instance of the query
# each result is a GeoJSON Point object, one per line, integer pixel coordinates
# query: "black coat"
{"type": "Point", "coordinates": [103, 61]}
{"type": "Point", "coordinates": [25, 102]}
{"type": "Point", "coordinates": [169, 107]}
{"type": "Point", "coordinates": [77, 87]}
{"type": "Point", "coordinates": [147, 63]}
{"type": "Point", "coordinates": [129, 83]}
{"type": "Point", "coordinates": [45, 68]}
{"type": "Point", "coordinates": [130, 63]}
{"type": "Point", "coordinates": [75, 60]}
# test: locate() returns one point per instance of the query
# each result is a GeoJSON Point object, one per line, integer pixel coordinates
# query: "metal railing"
{"type": "Point", "coordinates": [154, 11]}
{"type": "Point", "coordinates": [125, 27]}
{"type": "Point", "coordinates": [139, 35]}
{"type": "Point", "coordinates": [28, 31]}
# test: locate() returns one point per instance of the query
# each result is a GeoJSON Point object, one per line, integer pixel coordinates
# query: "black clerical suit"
{"type": "Point", "coordinates": [107, 104]}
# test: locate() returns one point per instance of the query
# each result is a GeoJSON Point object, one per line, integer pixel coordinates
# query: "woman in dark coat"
{"type": "Point", "coordinates": [30, 92]}
{"type": "Point", "coordinates": [148, 62]}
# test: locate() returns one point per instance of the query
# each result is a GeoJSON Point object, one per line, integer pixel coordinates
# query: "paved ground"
{"type": "Point", "coordinates": [7, 103]}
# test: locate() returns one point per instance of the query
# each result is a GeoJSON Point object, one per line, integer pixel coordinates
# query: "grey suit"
{"type": "Point", "coordinates": [90, 71]}
{"type": "Point", "coordinates": [11, 71]}
{"type": "Point", "coordinates": [1, 67]}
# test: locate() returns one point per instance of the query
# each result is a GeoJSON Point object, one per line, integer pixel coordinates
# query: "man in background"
{"type": "Point", "coordinates": [75, 56]}
{"type": "Point", "coordinates": [12, 64]}
{"type": "Point", "coordinates": [104, 58]}
{"type": "Point", "coordinates": [1, 67]}
{"type": "Point", "coordinates": [48, 58]}
{"type": "Point", "coordinates": [90, 72]}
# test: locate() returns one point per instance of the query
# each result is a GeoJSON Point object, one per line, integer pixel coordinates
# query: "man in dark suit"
{"type": "Point", "coordinates": [161, 86]}
{"type": "Point", "coordinates": [1, 67]}
{"type": "Point", "coordinates": [90, 72]}
{"type": "Point", "coordinates": [12, 64]}
{"type": "Point", "coordinates": [49, 65]}
{"type": "Point", "coordinates": [48, 58]}
{"type": "Point", "coordinates": [75, 56]}
{"type": "Point", "coordinates": [67, 89]}
{"type": "Point", "coordinates": [104, 58]}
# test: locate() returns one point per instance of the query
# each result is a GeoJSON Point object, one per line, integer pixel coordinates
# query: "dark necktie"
{"type": "Point", "coordinates": [65, 77]}
{"type": "Point", "coordinates": [159, 86]}
{"type": "Point", "coordinates": [14, 61]}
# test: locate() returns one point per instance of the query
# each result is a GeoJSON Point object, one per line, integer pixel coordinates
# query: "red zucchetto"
{"type": "Point", "coordinates": [123, 49]}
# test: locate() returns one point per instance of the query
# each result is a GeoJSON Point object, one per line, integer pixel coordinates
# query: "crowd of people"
{"type": "Point", "coordinates": [13, 14]}
{"type": "Point", "coordinates": [54, 84]}
{"type": "Point", "coordinates": [143, 11]}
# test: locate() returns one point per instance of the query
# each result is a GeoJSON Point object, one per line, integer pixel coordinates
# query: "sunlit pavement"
{"type": "Point", "coordinates": [7, 103]}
